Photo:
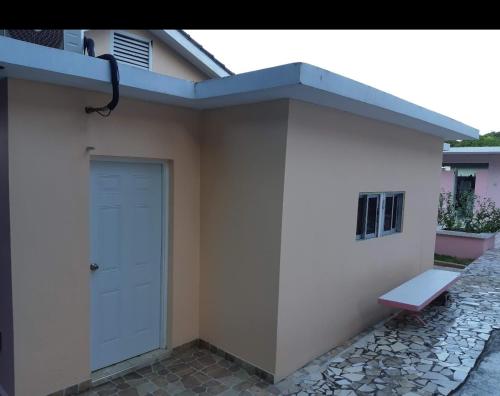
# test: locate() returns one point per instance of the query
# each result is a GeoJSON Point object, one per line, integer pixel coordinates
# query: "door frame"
{"type": "Point", "coordinates": [166, 238]}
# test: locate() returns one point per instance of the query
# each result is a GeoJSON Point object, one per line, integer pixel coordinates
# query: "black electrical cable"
{"type": "Point", "coordinates": [105, 111]}
{"type": "Point", "coordinates": [88, 46]}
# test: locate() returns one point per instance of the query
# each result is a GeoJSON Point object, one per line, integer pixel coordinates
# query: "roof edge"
{"type": "Point", "coordinates": [295, 81]}
{"type": "Point", "coordinates": [192, 51]}
{"type": "Point", "coordinates": [273, 77]}
{"type": "Point", "coordinates": [473, 150]}
{"type": "Point", "coordinates": [332, 82]}
{"type": "Point", "coordinates": [312, 84]}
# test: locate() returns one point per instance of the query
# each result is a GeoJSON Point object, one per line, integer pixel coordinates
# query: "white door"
{"type": "Point", "coordinates": [126, 251]}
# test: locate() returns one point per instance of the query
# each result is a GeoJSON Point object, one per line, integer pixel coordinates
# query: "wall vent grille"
{"type": "Point", "coordinates": [131, 50]}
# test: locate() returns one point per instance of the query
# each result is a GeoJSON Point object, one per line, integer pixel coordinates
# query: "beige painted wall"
{"type": "Point", "coordinates": [243, 157]}
{"type": "Point", "coordinates": [165, 60]}
{"type": "Point", "coordinates": [49, 194]}
{"type": "Point", "coordinates": [282, 277]}
{"type": "Point", "coordinates": [329, 282]}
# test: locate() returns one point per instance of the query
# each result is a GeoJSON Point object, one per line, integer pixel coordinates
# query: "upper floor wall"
{"type": "Point", "coordinates": [162, 58]}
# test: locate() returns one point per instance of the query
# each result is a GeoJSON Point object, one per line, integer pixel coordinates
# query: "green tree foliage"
{"type": "Point", "coordinates": [486, 140]}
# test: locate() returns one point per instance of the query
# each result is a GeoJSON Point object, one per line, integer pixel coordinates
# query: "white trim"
{"type": "Point", "coordinates": [381, 222]}
{"type": "Point", "coordinates": [392, 230]}
{"type": "Point", "coordinates": [165, 250]}
{"type": "Point", "coordinates": [190, 51]}
{"type": "Point", "coordinates": [376, 232]}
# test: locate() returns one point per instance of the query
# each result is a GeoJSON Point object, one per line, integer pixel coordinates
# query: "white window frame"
{"type": "Point", "coordinates": [380, 220]}
{"type": "Point", "coordinates": [391, 230]}
{"type": "Point", "coordinates": [377, 216]}
{"type": "Point", "coordinates": [136, 37]}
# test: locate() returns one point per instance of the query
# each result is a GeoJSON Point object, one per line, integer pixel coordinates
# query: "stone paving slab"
{"type": "Point", "coordinates": [396, 357]}
{"type": "Point", "coordinates": [400, 357]}
{"type": "Point", "coordinates": [484, 378]}
{"type": "Point", "coordinates": [192, 372]}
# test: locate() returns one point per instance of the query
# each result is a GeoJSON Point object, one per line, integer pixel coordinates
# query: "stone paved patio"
{"type": "Point", "coordinates": [483, 378]}
{"type": "Point", "coordinates": [396, 357]}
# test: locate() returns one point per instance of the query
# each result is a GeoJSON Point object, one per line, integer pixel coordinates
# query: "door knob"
{"type": "Point", "coordinates": [94, 267]}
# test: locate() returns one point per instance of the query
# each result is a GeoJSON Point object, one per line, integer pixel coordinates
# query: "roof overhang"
{"type": "Point", "coordinates": [294, 81]}
{"type": "Point", "coordinates": [189, 50]}
{"type": "Point", "coordinates": [472, 150]}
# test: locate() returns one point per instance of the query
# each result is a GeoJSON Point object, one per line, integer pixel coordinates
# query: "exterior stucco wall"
{"type": "Point", "coordinates": [463, 246]}
{"type": "Point", "coordinates": [243, 159]}
{"type": "Point", "coordinates": [49, 194]}
{"type": "Point", "coordinates": [329, 282]}
{"type": "Point", "coordinates": [6, 314]}
{"type": "Point", "coordinates": [487, 180]}
{"type": "Point", "coordinates": [264, 262]}
{"type": "Point", "coordinates": [447, 181]}
{"type": "Point", "coordinates": [164, 59]}
{"type": "Point", "coordinates": [482, 184]}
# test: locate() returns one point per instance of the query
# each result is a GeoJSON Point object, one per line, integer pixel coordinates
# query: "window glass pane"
{"type": "Point", "coordinates": [360, 225]}
{"type": "Point", "coordinates": [388, 213]}
{"type": "Point", "coordinates": [395, 210]}
{"type": "Point", "coordinates": [371, 218]}
{"type": "Point", "coordinates": [398, 212]}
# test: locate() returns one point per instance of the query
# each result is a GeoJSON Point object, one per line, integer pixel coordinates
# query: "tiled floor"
{"type": "Point", "coordinates": [191, 372]}
{"type": "Point", "coordinates": [397, 357]}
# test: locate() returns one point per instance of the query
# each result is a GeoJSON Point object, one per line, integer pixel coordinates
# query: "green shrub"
{"type": "Point", "coordinates": [468, 212]}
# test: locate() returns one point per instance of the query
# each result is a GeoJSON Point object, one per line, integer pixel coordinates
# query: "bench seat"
{"type": "Point", "coordinates": [418, 292]}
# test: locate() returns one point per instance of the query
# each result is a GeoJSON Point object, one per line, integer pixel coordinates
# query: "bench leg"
{"type": "Point", "coordinates": [415, 315]}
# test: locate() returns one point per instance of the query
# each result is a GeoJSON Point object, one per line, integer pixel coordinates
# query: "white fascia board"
{"type": "Point", "coordinates": [190, 51]}
{"type": "Point", "coordinates": [293, 81]}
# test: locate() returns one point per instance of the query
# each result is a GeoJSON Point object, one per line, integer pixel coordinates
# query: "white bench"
{"type": "Point", "coordinates": [415, 294]}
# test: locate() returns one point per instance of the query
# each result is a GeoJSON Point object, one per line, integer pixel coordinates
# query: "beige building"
{"type": "Point", "coordinates": [262, 213]}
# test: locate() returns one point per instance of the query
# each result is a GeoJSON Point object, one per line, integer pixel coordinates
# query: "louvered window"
{"type": "Point", "coordinates": [132, 50]}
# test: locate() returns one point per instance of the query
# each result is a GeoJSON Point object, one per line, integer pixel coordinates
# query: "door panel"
{"type": "Point", "coordinates": [126, 244]}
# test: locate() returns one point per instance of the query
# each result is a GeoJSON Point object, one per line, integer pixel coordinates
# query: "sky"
{"type": "Point", "coordinates": [453, 72]}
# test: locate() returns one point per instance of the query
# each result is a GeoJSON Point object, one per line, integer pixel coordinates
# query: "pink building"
{"type": "Point", "coordinates": [475, 169]}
